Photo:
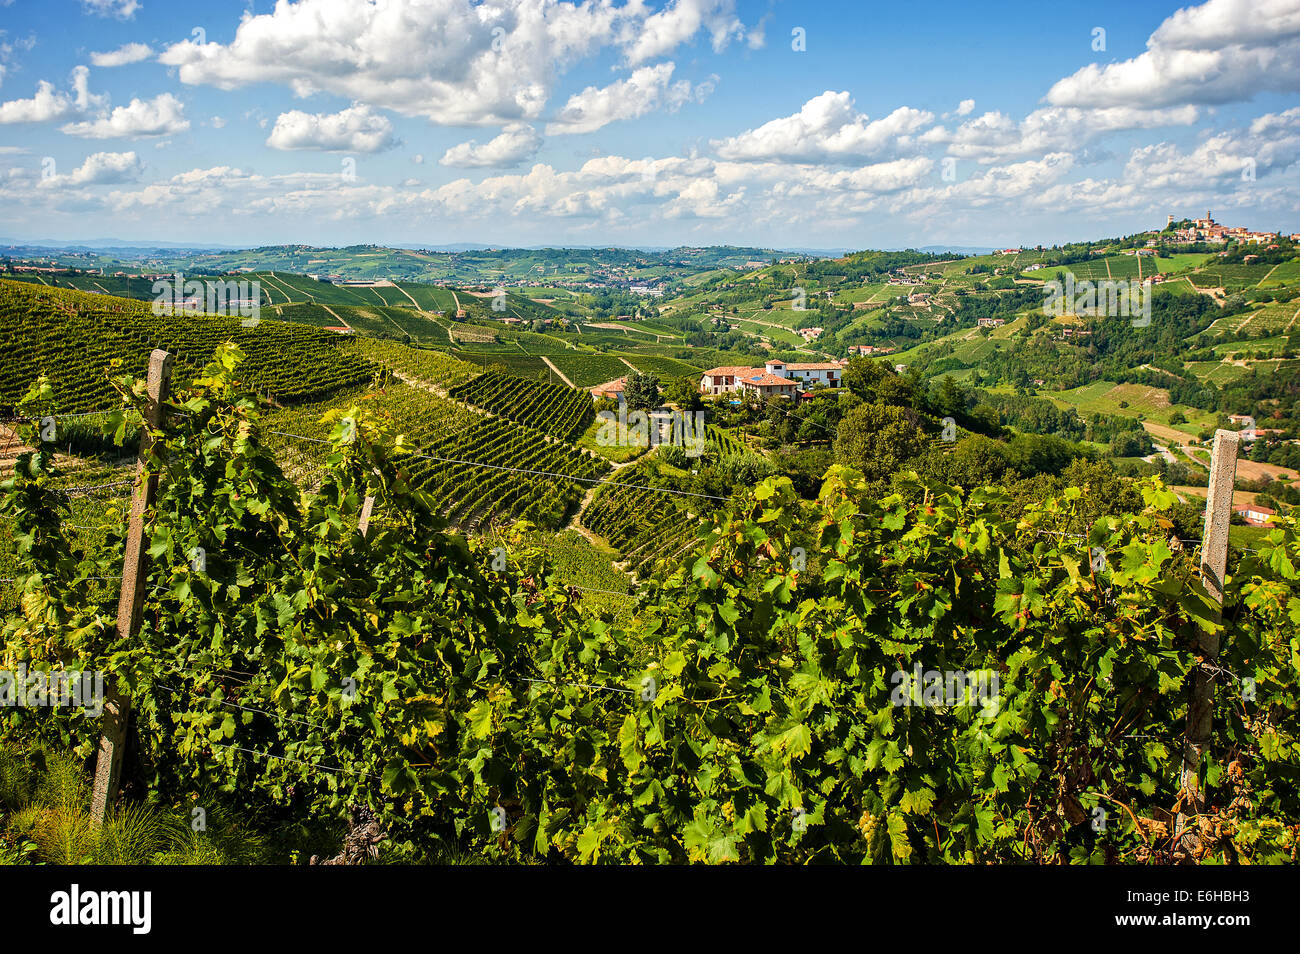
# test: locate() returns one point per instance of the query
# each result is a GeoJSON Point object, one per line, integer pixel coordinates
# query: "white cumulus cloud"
{"type": "Point", "coordinates": [122, 56]}
{"type": "Point", "coordinates": [517, 142]}
{"type": "Point", "coordinates": [50, 104]}
{"type": "Point", "coordinates": [121, 9]}
{"type": "Point", "coordinates": [141, 118]}
{"type": "Point", "coordinates": [1219, 52]}
{"type": "Point", "coordinates": [675, 24]}
{"type": "Point", "coordinates": [355, 129]}
{"type": "Point", "coordinates": [101, 168]}
{"type": "Point", "coordinates": [454, 62]}
{"type": "Point", "coordinates": [827, 128]}
{"type": "Point", "coordinates": [644, 90]}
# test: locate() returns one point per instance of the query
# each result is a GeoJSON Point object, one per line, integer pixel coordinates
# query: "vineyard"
{"type": "Point", "coordinates": [642, 522]}
{"type": "Point", "coordinates": [664, 367]}
{"type": "Point", "coordinates": [554, 409]}
{"type": "Point", "coordinates": [749, 710]}
{"type": "Point", "coordinates": [73, 337]}
{"type": "Point", "coordinates": [431, 367]}
{"type": "Point", "coordinates": [589, 370]}
{"type": "Point", "coordinates": [477, 470]}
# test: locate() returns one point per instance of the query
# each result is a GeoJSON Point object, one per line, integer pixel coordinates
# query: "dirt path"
{"type": "Point", "coordinates": [563, 377]}
{"type": "Point", "coordinates": [280, 286]}
{"type": "Point", "coordinates": [635, 369]}
{"type": "Point", "coordinates": [1167, 433]}
{"type": "Point", "coordinates": [575, 522]}
{"type": "Point", "coordinates": [1287, 330]}
{"type": "Point", "coordinates": [1162, 451]}
{"type": "Point", "coordinates": [12, 447]}
{"type": "Point", "coordinates": [412, 300]}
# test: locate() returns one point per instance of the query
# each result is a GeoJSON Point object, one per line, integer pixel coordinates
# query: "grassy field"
{"type": "Point", "coordinates": [617, 453]}
{"type": "Point", "coordinates": [1130, 400]}
{"type": "Point", "coordinates": [1288, 273]}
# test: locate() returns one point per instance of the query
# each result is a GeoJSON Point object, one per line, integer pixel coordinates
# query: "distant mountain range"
{"type": "Point", "coordinates": [125, 248]}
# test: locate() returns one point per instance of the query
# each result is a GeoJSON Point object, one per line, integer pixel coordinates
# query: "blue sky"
{"type": "Point", "coordinates": [687, 122]}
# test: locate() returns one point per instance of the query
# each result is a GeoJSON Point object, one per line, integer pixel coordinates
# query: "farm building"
{"type": "Point", "coordinates": [1254, 514]}
{"type": "Point", "coordinates": [613, 390]}
{"type": "Point", "coordinates": [806, 373]}
{"type": "Point", "coordinates": [730, 379]}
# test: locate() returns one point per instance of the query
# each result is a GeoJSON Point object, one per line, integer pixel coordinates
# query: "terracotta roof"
{"type": "Point", "coordinates": [611, 387]}
{"type": "Point", "coordinates": [733, 370]}
{"type": "Point", "coordinates": [814, 366]}
{"type": "Point", "coordinates": [768, 380]}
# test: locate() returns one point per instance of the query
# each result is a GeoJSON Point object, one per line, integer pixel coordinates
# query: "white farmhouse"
{"type": "Point", "coordinates": [826, 372]}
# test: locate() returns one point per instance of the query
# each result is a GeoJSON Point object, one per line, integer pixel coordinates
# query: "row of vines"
{"type": "Point", "coordinates": [555, 409]}
{"type": "Point", "coordinates": [73, 337]}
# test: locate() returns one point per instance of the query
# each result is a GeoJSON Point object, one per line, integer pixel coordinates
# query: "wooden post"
{"type": "Point", "coordinates": [1214, 567]}
{"type": "Point", "coordinates": [135, 564]}
{"type": "Point", "coordinates": [363, 522]}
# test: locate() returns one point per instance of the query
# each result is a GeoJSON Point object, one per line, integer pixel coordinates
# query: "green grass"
{"type": "Point", "coordinates": [617, 453]}
{"type": "Point", "coordinates": [1288, 273]}
{"type": "Point", "coordinates": [1129, 400]}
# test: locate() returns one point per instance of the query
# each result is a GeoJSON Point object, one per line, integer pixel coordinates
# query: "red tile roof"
{"type": "Point", "coordinates": [768, 380]}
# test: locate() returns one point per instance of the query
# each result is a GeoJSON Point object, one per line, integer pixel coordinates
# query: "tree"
{"type": "Point", "coordinates": [684, 393]}
{"type": "Point", "coordinates": [950, 401]}
{"type": "Point", "coordinates": [642, 392]}
{"type": "Point", "coordinates": [877, 440]}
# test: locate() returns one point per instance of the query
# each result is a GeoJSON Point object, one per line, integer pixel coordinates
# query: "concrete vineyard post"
{"type": "Point", "coordinates": [1214, 566]}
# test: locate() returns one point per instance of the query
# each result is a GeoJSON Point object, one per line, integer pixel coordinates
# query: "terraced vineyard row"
{"type": "Point", "coordinates": [73, 337]}
{"type": "Point", "coordinates": [395, 321]}
{"type": "Point", "coordinates": [644, 524]}
{"type": "Point", "coordinates": [468, 494]}
{"type": "Point", "coordinates": [555, 409]}
{"type": "Point", "coordinates": [522, 365]}
{"type": "Point", "coordinates": [723, 442]}
{"type": "Point", "coordinates": [306, 314]}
